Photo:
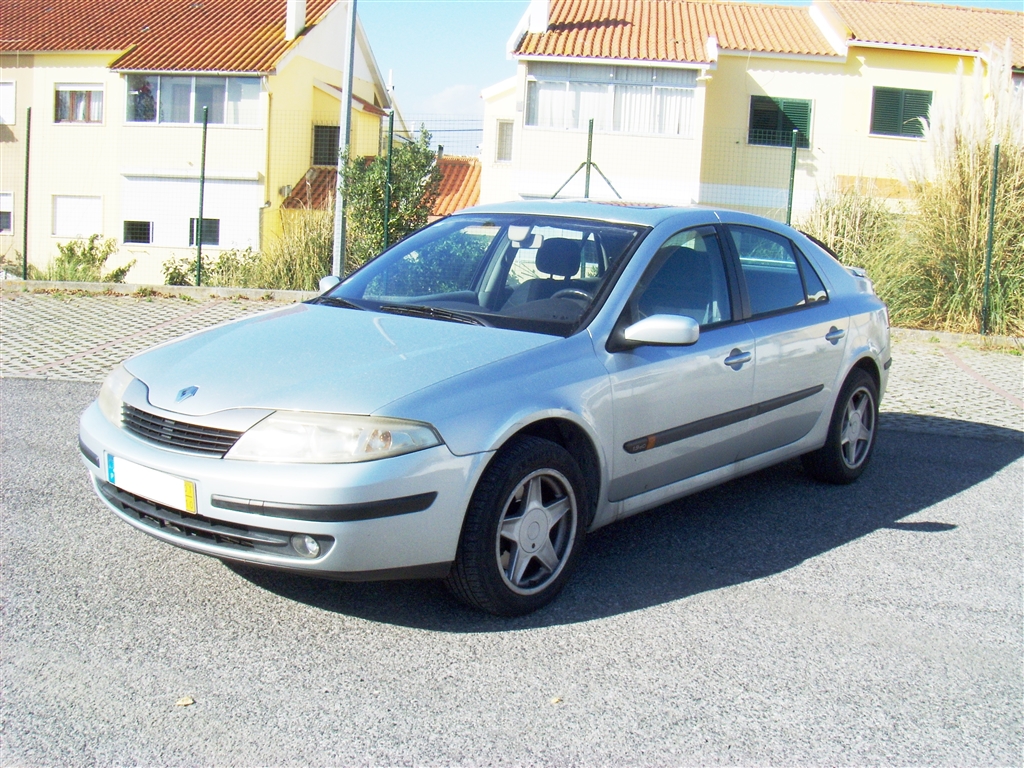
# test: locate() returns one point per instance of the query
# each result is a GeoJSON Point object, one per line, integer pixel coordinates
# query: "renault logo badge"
{"type": "Point", "coordinates": [186, 393]}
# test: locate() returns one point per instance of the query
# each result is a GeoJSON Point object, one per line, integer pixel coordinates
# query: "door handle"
{"type": "Point", "coordinates": [834, 335]}
{"type": "Point", "coordinates": [737, 358]}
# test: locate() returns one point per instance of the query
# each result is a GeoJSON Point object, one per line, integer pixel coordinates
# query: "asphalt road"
{"type": "Point", "coordinates": [769, 621]}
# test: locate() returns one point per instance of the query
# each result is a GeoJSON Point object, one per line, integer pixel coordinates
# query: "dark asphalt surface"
{"type": "Point", "coordinates": [769, 621]}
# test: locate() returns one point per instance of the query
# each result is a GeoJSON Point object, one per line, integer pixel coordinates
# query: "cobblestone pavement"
{"type": "Point", "coordinates": [934, 385]}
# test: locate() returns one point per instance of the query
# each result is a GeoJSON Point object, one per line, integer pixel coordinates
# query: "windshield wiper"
{"type": "Point", "coordinates": [434, 313]}
{"type": "Point", "coordinates": [336, 301]}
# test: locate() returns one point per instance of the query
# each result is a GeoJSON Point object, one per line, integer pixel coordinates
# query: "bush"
{"type": "Point", "coordinates": [83, 261]}
{"type": "Point", "coordinates": [928, 261]}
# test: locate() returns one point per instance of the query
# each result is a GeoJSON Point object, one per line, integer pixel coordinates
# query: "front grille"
{"type": "Point", "coordinates": [196, 527]}
{"type": "Point", "coordinates": [180, 435]}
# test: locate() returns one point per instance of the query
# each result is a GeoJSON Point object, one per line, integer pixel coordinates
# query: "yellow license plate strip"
{"type": "Point", "coordinates": [169, 490]}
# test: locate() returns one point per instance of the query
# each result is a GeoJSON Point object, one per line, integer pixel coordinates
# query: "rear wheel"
{"type": "Point", "coordinates": [851, 433]}
{"type": "Point", "coordinates": [523, 531]}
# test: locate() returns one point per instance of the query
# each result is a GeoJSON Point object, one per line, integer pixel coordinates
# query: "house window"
{"type": "Point", "coordinates": [899, 112]}
{"type": "Point", "coordinates": [6, 213]}
{"type": "Point", "coordinates": [138, 232]}
{"type": "Point", "coordinates": [211, 231]}
{"type": "Point", "coordinates": [77, 216]}
{"type": "Point", "coordinates": [78, 104]}
{"type": "Point", "coordinates": [6, 103]}
{"type": "Point", "coordinates": [503, 149]}
{"type": "Point", "coordinates": [326, 140]}
{"type": "Point", "coordinates": [181, 99]}
{"type": "Point", "coordinates": [772, 122]}
{"type": "Point", "coordinates": [646, 100]}
{"type": "Point", "coordinates": [1018, 82]}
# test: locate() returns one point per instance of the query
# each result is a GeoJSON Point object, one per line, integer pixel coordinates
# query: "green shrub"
{"type": "Point", "coordinates": [84, 260]}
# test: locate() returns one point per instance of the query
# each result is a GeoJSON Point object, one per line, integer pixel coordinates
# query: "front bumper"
{"type": "Point", "coordinates": [396, 517]}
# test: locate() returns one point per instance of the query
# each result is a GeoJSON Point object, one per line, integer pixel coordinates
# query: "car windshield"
{"type": "Point", "coordinates": [533, 273]}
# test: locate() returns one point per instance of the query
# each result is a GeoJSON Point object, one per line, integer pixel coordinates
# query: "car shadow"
{"type": "Point", "coordinates": [747, 529]}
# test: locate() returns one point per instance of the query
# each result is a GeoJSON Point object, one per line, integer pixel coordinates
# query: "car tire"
{"type": "Point", "coordinates": [851, 433]}
{"type": "Point", "coordinates": [505, 563]}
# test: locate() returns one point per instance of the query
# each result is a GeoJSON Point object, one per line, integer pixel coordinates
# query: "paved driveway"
{"type": "Point", "coordinates": [769, 621]}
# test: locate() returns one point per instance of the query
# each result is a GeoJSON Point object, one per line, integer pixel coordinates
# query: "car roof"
{"type": "Point", "coordinates": [646, 214]}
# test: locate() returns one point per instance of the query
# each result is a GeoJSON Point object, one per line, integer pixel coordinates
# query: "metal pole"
{"type": "Point", "coordinates": [24, 202]}
{"type": "Point", "coordinates": [202, 189]}
{"type": "Point", "coordinates": [991, 232]}
{"type": "Point", "coordinates": [344, 139]}
{"type": "Point", "coordinates": [792, 178]}
{"type": "Point", "coordinates": [590, 152]}
{"type": "Point", "coordinates": [387, 179]}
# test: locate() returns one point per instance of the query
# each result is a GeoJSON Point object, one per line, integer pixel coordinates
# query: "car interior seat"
{"type": "Point", "coordinates": [556, 257]}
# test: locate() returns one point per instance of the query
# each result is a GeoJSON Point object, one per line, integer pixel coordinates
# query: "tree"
{"type": "Point", "coordinates": [415, 184]}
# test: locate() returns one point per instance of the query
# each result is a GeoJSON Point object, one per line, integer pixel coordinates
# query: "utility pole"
{"type": "Point", "coordinates": [344, 139]}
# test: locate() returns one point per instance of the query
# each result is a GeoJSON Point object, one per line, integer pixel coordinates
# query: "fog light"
{"type": "Point", "coordinates": [306, 546]}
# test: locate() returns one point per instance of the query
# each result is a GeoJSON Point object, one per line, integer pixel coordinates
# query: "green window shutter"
{"type": "Point", "coordinates": [798, 116]}
{"type": "Point", "coordinates": [915, 111]}
{"type": "Point", "coordinates": [772, 121]}
{"type": "Point", "coordinates": [898, 111]}
{"type": "Point", "coordinates": [886, 107]}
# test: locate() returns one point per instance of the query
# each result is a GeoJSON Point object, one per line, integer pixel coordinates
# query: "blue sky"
{"type": "Point", "coordinates": [444, 52]}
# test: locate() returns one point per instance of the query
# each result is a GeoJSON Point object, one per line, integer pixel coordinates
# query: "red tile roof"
{"type": "Point", "coordinates": [460, 184]}
{"type": "Point", "coordinates": [460, 187]}
{"type": "Point", "coordinates": [672, 30]}
{"type": "Point", "coordinates": [932, 26]}
{"type": "Point", "coordinates": [158, 35]}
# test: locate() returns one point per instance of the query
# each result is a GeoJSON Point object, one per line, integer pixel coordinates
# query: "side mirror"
{"type": "Point", "coordinates": [327, 282]}
{"type": "Point", "coordinates": [663, 330]}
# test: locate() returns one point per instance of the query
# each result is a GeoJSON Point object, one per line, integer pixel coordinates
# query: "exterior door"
{"type": "Point", "coordinates": [678, 410]}
{"type": "Point", "coordinates": [800, 339]}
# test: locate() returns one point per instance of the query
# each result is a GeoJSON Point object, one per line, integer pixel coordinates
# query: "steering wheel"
{"type": "Point", "coordinates": [572, 293]}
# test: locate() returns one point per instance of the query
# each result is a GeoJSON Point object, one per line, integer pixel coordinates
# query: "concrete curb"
{"type": "Point", "coordinates": [918, 335]}
{"type": "Point", "coordinates": [140, 290]}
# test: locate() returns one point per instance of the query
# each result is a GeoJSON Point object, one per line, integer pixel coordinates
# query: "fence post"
{"type": "Point", "coordinates": [24, 202]}
{"type": "Point", "coordinates": [988, 249]}
{"type": "Point", "coordinates": [202, 189]}
{"type": "Point", "coordinates": [387, 179]}
{"type": "Point", "coordinates": [792, 178]}
{"type": "Point", "coordinates": [590, 152]}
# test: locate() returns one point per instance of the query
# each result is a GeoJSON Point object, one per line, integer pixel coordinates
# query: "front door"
{"type": "Point", "coordinates": [680, 411]}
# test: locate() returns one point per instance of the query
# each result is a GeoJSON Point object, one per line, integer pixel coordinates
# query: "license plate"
{"type": "Point", "coordinates": [150, 484]}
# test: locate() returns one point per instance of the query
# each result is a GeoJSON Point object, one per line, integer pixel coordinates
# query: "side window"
{"type": "Point", "coordinates": [769, 270]}
{"type": "Point", "coordinates": [687, 277]}
{"type": "Point", "coordinates": [815, 288]}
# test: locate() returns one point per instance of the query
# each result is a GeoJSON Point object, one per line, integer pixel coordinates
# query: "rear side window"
{"type": "Point", "coordinates": [812, 283]}
{"type": "Point", "coordinates": [770, 270]}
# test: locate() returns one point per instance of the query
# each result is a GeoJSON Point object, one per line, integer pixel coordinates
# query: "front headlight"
{"type": "Point", "coordinates": [327, 438]}
{"type": "Point", "coordinates": [112, 391]}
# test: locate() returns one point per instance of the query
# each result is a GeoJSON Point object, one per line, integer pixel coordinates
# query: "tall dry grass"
{"type": "Point", "coordinates": [928, 260]}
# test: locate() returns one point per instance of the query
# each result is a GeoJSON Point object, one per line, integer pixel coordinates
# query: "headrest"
{"type": "Point", "coordinates": [559, 256]}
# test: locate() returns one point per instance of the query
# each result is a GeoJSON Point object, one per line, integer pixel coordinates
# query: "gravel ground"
{"type": "Point", "coordinates": [769, 621]}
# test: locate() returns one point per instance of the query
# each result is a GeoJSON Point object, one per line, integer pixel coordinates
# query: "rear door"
{"type": "Point", "coordinates": [800, 338]}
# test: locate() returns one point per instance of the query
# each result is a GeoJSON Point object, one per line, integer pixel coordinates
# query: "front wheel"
{"type": "Point", "coordinates": [851, 433]}
{"type": "Point", "coordinates": [523, 531]}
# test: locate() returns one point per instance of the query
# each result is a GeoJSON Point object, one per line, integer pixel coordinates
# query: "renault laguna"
{"type": "Point", "coordinates": [471, 403]}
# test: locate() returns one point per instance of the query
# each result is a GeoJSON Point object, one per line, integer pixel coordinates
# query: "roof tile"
{"type": "Point", "coordinates": [672, 30]}
{"type": "Point", "coordinates": [158, 35]}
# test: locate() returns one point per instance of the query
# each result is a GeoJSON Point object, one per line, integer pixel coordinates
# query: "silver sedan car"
{"type": "Point", "coordinates": [472, 402]}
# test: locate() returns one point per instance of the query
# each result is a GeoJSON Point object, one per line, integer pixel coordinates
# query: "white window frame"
{"type": "Point", "coordinates": [7, 206]}
{"type": "Point", "coordinates": [80, 88]}
{"type": "Point", "coordinates": [66, 233]}
{"type": "Point", "coordinates": [510, 126]}
{"type": "Point", "coordinates": [610, 77]}
{"type": "Point", "coordinates": [256, 123]}
{"type": "Point", "coordinates": [8, 102]}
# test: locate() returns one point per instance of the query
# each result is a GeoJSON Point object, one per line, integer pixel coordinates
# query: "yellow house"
{"type": "Point", "coordinates": [117, 105]}
{"type": "Point", "coordinates": [697, 101]}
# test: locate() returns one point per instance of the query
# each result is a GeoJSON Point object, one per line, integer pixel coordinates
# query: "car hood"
{"type": "Point", "coordinates": [317, 358]}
